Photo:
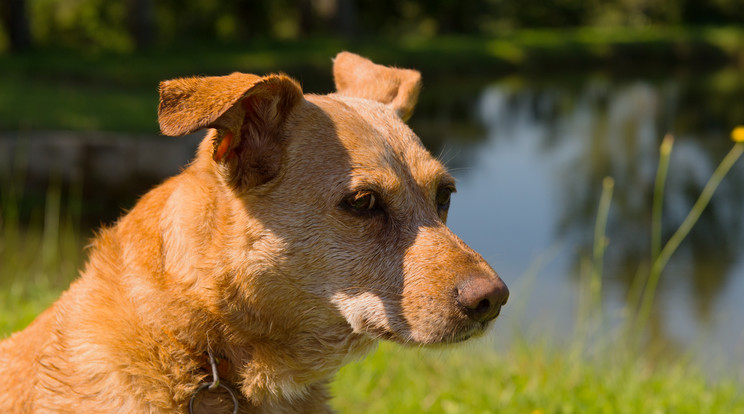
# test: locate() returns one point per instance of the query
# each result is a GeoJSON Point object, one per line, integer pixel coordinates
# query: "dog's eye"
{"type": "Point", "coordinates": [443, 197]}
{"type": "Point", "coordinates": [363, 202]}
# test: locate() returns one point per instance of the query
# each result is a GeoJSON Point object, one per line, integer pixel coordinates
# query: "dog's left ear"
{"type": "Point", "coordinates": [360, 77]}
{"type": "Point", "coordinates": [248, 113]}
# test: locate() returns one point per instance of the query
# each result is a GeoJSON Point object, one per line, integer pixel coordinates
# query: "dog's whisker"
{"type": "Point", "coordinates": [367, 289]}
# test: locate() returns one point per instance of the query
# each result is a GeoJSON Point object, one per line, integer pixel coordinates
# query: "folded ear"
{"type": "Point", "coordinates": [359, 77]}
{"type": "Point", "coordinates": [248, 113]}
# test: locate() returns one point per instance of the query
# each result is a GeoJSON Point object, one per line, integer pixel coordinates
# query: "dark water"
{"type": "Point", "coordinates": [529, 156]}
{"type": "Point", "coordinates": [530, 171]}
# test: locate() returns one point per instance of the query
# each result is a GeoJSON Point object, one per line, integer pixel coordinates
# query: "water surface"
{"type": "Point", "coordinates": [529, 184]}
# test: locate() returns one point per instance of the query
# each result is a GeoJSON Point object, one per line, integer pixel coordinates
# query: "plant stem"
{"type": "Point", "coordinates": [656, 225]}
{"type": "Point", "coordinates": [600, 240]}
{"type": "Point", "coordinates": [660, 262]}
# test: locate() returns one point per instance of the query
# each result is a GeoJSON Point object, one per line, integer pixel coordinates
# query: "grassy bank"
{"type": "Point", "coordinates": [38, 258]}
{"type": "Point", "coordinates": [70, 90]}
{"type": "Point", "coordinates": [527, 378]}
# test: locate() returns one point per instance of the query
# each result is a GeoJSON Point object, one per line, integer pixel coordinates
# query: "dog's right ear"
{"type": "Point", "coordinates": [248, 112]}
{"type": "Point", "coordinates": [360, 77]}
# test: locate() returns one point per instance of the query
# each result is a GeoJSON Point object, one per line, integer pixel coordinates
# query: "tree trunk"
{"type": "Point", "coordinates": [346, 18]}
{"type": "Point", "coordinates": [142, 23]}
{"type": "Point", "coordinates": [15, 20]}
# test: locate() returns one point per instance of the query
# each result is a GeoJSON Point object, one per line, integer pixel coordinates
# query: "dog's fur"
{"type": "Point", "coordinates": [307, 228]}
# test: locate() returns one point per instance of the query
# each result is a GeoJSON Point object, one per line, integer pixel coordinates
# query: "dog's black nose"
{"type": "Point", "coordinates": [482, 297]}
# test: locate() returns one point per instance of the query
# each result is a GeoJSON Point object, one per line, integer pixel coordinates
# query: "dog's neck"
{"type": "Point", "coordinates": [271, 353]}
{"type": "Point", "coordinates": [271, 370]}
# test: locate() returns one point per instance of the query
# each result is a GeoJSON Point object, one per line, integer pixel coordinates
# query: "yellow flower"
{"type": "Point", "coordinates": [738, 134]}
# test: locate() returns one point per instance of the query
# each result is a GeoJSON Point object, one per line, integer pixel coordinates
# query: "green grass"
{"type": "Point", "coordinates": [527, 378]}
{"type": "Point", "coordinates": [54, 89]}
{"type": "Point", "coordinates": [37, 260]}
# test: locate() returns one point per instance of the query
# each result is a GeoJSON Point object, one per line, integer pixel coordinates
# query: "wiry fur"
{"type": "Point", "coordinates": [251, 253]}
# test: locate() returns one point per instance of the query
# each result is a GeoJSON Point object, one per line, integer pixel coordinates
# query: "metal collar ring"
{"type": "Point", "coordinates": [208, 385]}
{"type": "Point", "coordinates": [211, 386]}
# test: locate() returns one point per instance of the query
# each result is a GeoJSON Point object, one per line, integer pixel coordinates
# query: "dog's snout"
{"type": "Point", "coordinates": [482, 297]}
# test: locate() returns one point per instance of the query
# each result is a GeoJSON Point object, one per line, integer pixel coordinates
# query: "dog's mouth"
{"type": "Point", "coordinates": [476, 330]}
{"type": "Point", "coordinates": [443, 337]}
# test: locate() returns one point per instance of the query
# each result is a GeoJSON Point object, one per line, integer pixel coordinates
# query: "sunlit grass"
{"type": "Point", "coordinates": [37, 260]}
{"type": "Point", "coordinates": [49, 89]}
{"type": "Point", "coordinates": [527, 378]}
{"type": "Point", "coordinates": [38, 104]}
{"type": "Point", "coordinates": [661, 254]}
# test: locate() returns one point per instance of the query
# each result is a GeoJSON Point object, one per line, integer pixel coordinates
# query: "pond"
{"type": "Point", "coordinates": [530, 169]}
{"type": "Point", "coordinates": [530, 156]}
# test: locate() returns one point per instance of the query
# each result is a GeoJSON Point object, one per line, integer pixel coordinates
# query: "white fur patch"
{"type": "Point", "coordinates": [362, 311]}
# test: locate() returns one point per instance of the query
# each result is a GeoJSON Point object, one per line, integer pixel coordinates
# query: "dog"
{"type": "Point", "coordinates": [307, 228]}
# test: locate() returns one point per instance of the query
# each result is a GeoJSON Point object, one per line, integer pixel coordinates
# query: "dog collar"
{"type": "Point", "coordinates": [214, 384]}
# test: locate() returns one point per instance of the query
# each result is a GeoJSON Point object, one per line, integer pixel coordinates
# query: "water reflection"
{"type": "Point", "coordinates": [550, 145]}
{"type": "Point", "coordinates": [109, 171]}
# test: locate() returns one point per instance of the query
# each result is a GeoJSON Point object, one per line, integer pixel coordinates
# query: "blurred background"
{"type": "Point", "coordinates": [531, 103]}
{"type": "Point", "coordinates": [128, 25]}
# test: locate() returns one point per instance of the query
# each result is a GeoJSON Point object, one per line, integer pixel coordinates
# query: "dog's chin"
{"type": "Point", "coordinates": [473, 331]}
{"type": "Point", "coordinates": [430, 338]}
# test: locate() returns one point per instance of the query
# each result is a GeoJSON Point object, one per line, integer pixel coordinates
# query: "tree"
{"type": "Point", "coordinates": [15, 19]}
{"type": "Point", "coordinates": [346, 18]}
{"type": "Point", "coordinates": [142, 23]}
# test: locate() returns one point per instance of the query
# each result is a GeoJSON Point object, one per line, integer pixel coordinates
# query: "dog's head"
{"type": "Point", "coordinates": [342, 209]}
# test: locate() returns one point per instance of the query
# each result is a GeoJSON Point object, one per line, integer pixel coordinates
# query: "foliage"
{"type": "Point", "coordinates": [118, 92]}
{"type": "Point", "coordinates": [88, 24]}
{"type": "Point", "coordinates": [123, 25]}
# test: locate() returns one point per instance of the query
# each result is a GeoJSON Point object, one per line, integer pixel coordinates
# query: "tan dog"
{"type": "Point", "coordinates": [307, 228]}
